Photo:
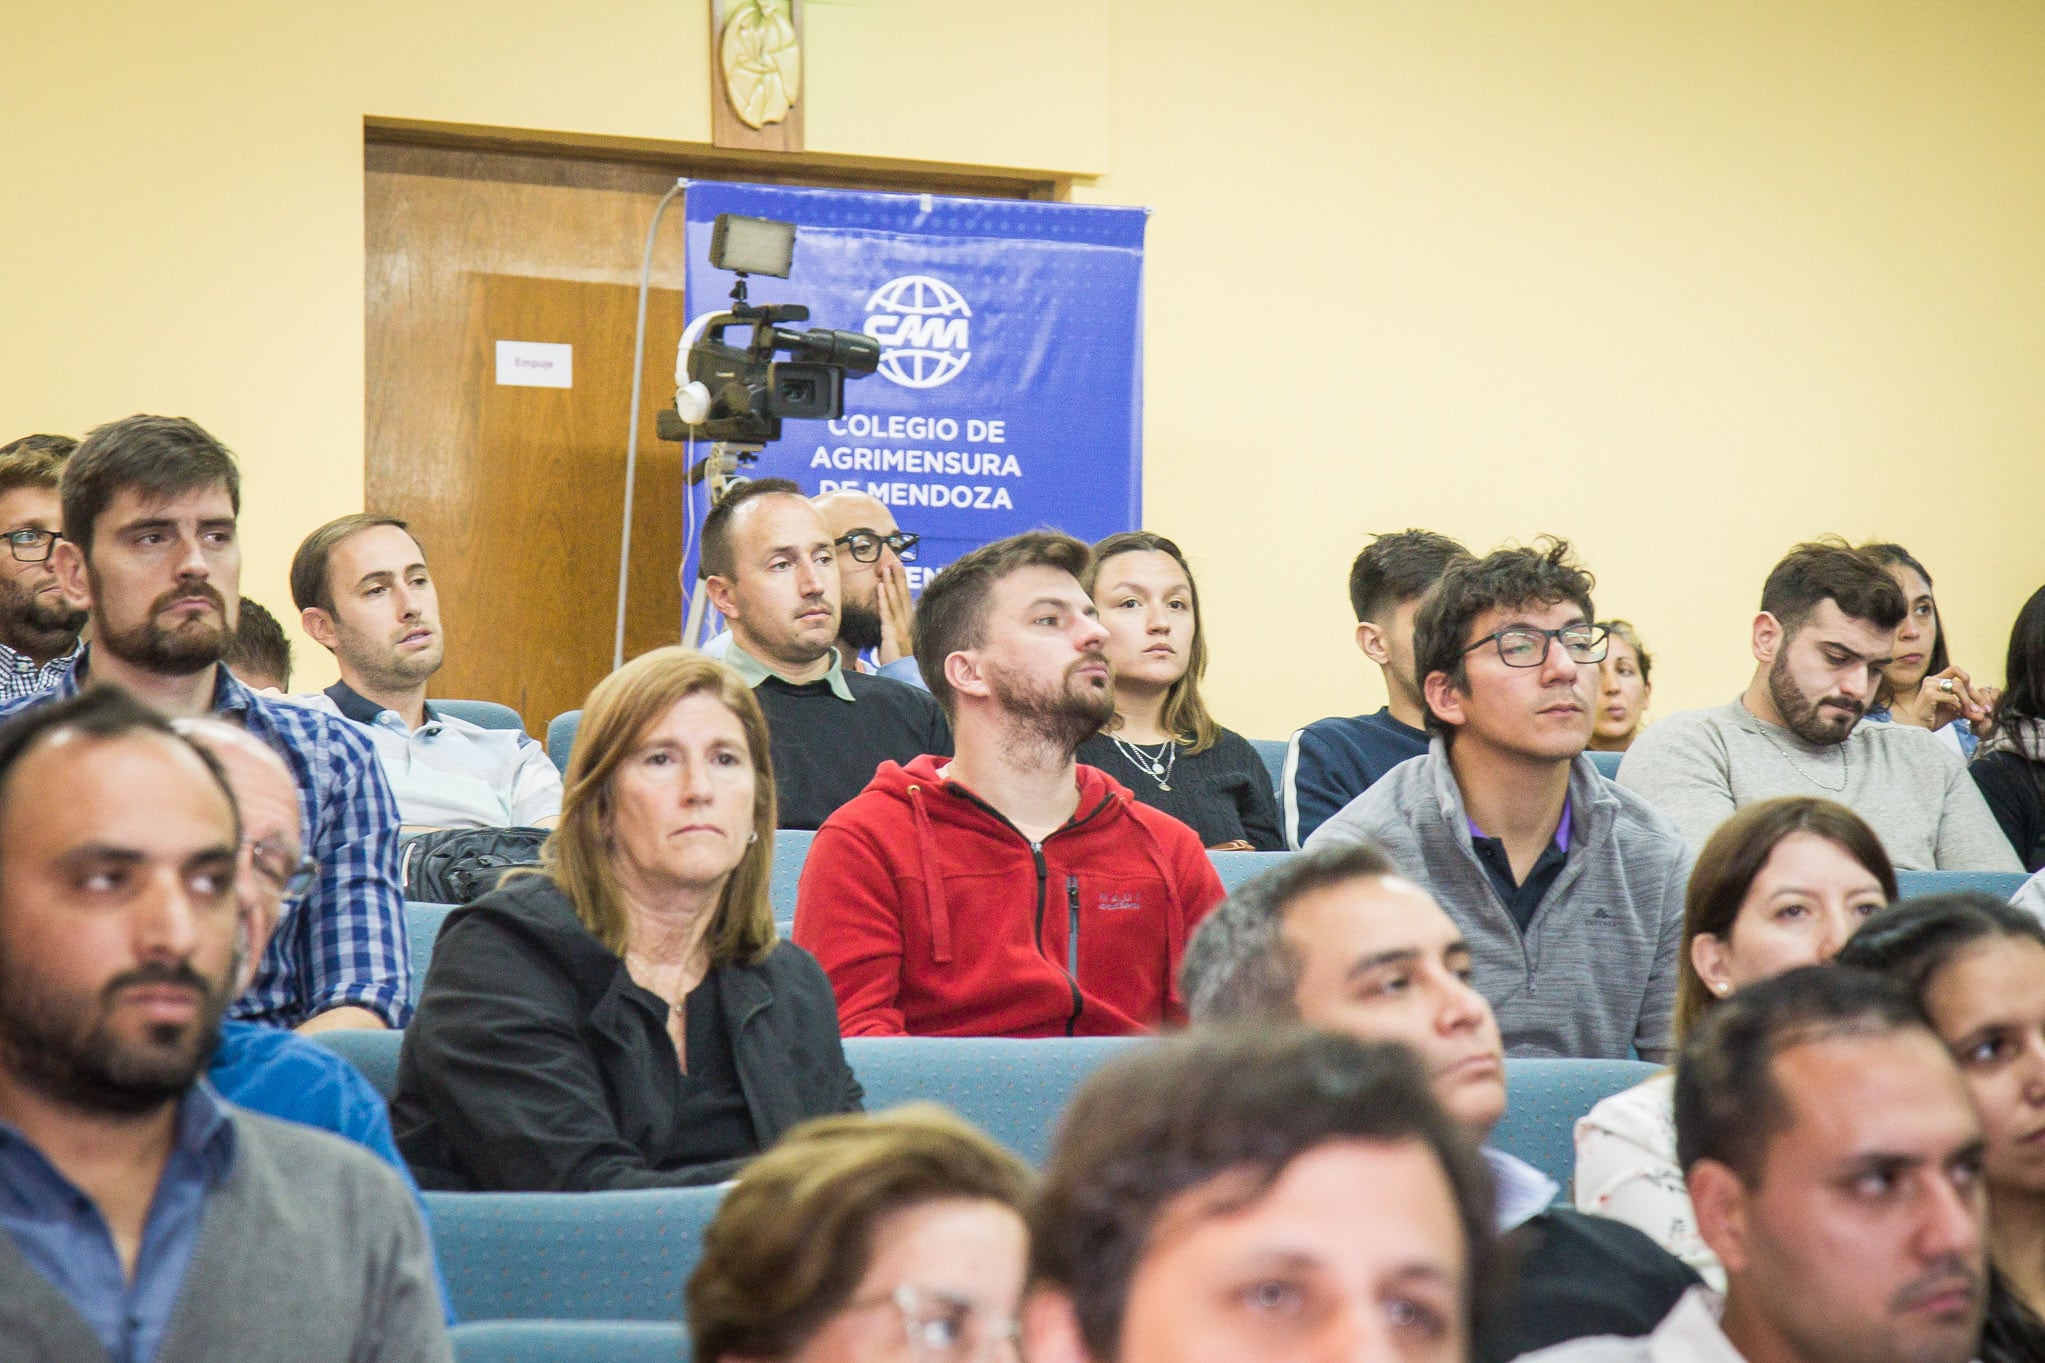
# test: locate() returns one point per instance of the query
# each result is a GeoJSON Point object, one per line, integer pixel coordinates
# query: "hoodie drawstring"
{"type": "Point", "coordinates": [935, 906]}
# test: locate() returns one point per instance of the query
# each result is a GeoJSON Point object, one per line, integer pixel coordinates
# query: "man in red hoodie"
{"type": "Point", "coordinates": [1006, 891]}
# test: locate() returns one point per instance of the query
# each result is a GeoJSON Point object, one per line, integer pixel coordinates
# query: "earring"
{"type": "Point", "coordinates": [1721, 986]}
{"type": "Point", "coordinates": [753, 837]}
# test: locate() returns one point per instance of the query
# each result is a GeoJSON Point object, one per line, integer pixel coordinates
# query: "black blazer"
{"type": "Point", "coordinates": [536, 1064]}
{"type": "Point", "coordinates": [1571, 1276]}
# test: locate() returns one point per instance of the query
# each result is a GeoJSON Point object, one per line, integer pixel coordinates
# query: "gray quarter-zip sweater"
{"type": "Point", "coordinates": [1595, 971]}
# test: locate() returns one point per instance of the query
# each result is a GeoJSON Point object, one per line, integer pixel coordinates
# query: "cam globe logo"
{"type": "Point", "coordinates": [922, 326]}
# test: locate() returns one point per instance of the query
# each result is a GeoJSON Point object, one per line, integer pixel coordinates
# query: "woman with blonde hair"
{"type": "Point", "coordinates": [867, 1239]}
{"type": "Point", "coordinates": [624, 1017]}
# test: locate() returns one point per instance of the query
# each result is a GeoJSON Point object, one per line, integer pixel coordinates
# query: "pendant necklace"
{"type": "Point", "coordinates": [1158, 765]}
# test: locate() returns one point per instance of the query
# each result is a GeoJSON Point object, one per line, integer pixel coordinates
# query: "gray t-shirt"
{"type": "Point", "coordinates": [1699, 766]}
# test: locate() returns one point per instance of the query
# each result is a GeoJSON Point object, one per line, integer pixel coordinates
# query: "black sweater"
{"type": "Point", "coordinates": [536, 1064]}
{"type": "Point", "coordinates": [1570, 1276]}
{"type": "Point", "coordinates": [826, 750]}
{"type": "Point", "coordinates": [2009, 782]}
{"type": "Point", "coordinates": [1223, 794]}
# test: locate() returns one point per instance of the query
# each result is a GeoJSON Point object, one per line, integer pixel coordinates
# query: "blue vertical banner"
{"type": "Point", "coordinates": [1009, 394]}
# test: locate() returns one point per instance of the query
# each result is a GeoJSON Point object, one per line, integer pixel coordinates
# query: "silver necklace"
{"type": "Point", "coordinates": [1789, 756]}
{"type": "Point", "coordinates": [1159, 764]}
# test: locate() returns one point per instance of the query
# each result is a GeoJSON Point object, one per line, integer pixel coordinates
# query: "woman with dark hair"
{"type": "Point", "coordinates": [1920, 686]}
{"type": "Point", "coordinates": [896, 1238]}
{"type": "Point", "coordinates": [1782, 883]}
{"type": "Point", "coordinates": [1161, 742]}
{"type": "Point", "coordinates": [2010, 766]}
{"type": "Point", "coordinates": [624, 1017]}
{"type": "Point", "coordinates": [1977, 967]}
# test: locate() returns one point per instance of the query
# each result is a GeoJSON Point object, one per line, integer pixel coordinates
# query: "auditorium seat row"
{"type": "Point", "coordinates": [791, 847]}
{"type": "Point", "coordinates": [624, 1255]}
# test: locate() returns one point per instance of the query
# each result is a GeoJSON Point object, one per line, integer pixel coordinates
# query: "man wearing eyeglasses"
{"type": "Point", "coordinates": [877, 617]}
{"type": "Point", "coordinates": [1568, 889]}
{"type": "Point", "coordinates": [267, 1069]}
{"type": "Point", "coordinates": [771, 569]}
{"type": "Point", "coordinates": [39, 629]}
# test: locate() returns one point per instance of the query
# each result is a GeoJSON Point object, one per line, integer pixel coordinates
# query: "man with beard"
{"type": "Point", "coordinates": [771, 570]}
{"type": "Point", "coordinates": [877, 615]}
{"type": "Point", "coordinates": [363, 593]}
{"type": "Point", "coordinates": [145, 1218]}
{"type": "Point", "coordinates": [1568, 889]}
{"type": "Point", "coordinates": [150, 550]}
{"type": "Point", "coordinates": [1834, 1159]}
{"type": "Point", "coordinates": [38, 627]}
{"type": "Point", "coordinates": [1006, 891]}
{"type": "Point", "coordinates": [1828, 620]}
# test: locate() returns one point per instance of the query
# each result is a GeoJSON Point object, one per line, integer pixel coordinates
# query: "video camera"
{"type": "Point", "coordinates": [738, 394]}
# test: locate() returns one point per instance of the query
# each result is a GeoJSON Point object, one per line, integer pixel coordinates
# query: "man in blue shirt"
{"type": "Point", "coordinates": [1334, 760]}
{"type": "Point", "coordinates": [150, 549]}
{"type": "Point", "coordinates": [144, 1218]}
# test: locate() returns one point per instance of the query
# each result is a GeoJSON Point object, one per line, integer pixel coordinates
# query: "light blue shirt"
{"type": "Point", "coordinates": [61, 1233]}
{"type": "Point", "coordinates": [448, 772]}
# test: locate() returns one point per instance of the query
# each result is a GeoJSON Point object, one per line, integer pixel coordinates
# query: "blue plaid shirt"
{"type": "Point", "coordinates": [344, 944]}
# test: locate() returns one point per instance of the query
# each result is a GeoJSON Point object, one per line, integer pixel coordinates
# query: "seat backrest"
{"type": "Point", "coordinates": [791, 847]}
{"type": "Point", "coordinates": [1607, 763]}
{"type": "Point", "coordinates": [569, 1341]}
{"type": "Point", "coordinates": [1272, 750]}
{"type": "Point", "coordinates": [369, 1049]}
{"type": "Point", "coordinates": [2002, 884]}
{"type": "Point", "coordinates": [1236, 867]}
{"type": "Point", "coordinates": [1545, 1099]}
{"type": "Point", "coordinates": [422, 929]}
{"type": "Point", "coordinates": [570, 1256]}
{"type": "Point", "coordinates": [487, 713]}
{"type": "Point", "coordinates": [1012, 1090]}
{"type": "Point", "coordinates": [561, 736]}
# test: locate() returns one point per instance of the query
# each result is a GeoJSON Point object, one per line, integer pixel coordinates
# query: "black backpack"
{"type": "Point", "coordinates": [458, 865]}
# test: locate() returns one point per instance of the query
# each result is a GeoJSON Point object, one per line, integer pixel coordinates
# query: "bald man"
{"type": "Point", "coordinates": [876, 614]}
{"type": "Point", "coordinates": [269, 1069]}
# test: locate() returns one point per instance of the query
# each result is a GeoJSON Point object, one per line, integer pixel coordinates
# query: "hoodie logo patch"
{"type": "Point", "coordinates": [1120, 903]}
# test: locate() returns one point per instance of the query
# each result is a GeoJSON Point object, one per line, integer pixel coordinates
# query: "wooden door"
{"type": "Point", "coordinates": [517, 493]}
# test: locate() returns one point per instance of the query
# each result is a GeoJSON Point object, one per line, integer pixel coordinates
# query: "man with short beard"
{"type": "Point", "coordinates": [1006, 891]}
{"type": "Point", "coordinates": [363, 593]}
{"type": "Point", "coordinates": [1834, 1158]}
{"type": "Point", "coordinates": [38, 627]}
{"type": "Point", "coordinates": [877, 615]}
{"type": "Point", "coordinates": [1828, 620]}
{"type": "Point", "coordinates": [770, 568]}
{"type": "Point", "coordinates": [145, 1218]}
{"type": "Point", "coordinates": [151, 550]}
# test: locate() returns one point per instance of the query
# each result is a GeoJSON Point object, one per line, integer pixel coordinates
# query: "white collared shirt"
{"type": "Point", "coordinates": [1688, 1334]}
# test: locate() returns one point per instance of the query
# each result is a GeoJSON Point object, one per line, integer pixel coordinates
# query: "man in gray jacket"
{"type": "Point", "coordinates": [1826, 629]}
{"type": "Point", "coordinates": [1568, 889]}
{"type": "Point", "coordinates": [146, 1220]}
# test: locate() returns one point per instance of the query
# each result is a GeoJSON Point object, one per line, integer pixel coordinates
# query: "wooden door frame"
{"type": "Point", "coordinates": [700, 160]}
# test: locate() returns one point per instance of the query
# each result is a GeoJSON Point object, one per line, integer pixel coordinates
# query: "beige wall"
{"type": "Point", "coordinates": [1684, 282]}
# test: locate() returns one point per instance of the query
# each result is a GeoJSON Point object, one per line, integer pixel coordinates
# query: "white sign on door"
{"type": "Point", "coordinates": [535, 364]}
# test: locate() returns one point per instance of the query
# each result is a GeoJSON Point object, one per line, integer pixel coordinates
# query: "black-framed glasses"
{"type": "Point", "coordinates": [865, 546]}
{"type": "Point", "coordinates": [291, 880]}
{"type": "Point", "coordinates": [1524, 646]}
{"type": "Point", "coordinates": [32, 546]}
